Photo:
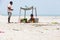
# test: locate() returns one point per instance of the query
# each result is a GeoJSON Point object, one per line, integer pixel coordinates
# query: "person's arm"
{"type": "Point", "coordinates": [10, 8]}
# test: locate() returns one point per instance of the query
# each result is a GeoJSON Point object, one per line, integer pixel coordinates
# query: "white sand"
{"type": "Point", "coordinates": [24, 31]}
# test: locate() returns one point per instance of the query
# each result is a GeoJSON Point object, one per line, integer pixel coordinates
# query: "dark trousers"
{"type": "Point", "coordinates": [9, 16]}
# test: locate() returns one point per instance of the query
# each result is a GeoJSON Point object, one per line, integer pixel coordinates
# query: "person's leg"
{"type": "Point", "coordinates": [9, 16]}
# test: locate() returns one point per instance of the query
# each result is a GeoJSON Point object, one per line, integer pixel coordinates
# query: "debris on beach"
{"type": "Point", "coordinates": [39, 31]}
{"type": "Point", "coordinates": [15, 29]}
{"type": "Point", "coordinates": [58, 28]}
{"type": "Point", "coordinates": [1, 32]}
{"type": "Point", "coordinates": [39, 25]}
{"type": "Point", "coordinates": [46, 29]}
{"type": "Point", "coordinates": [36, 25]}
{"type": "Point", "coordinates": [54, 22]}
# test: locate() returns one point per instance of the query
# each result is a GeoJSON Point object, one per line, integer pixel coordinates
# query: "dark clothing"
{"type": "Point", "coordinates": [9, 16]}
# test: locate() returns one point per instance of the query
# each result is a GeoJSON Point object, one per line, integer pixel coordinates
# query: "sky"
{"type": "Point", "coordinates": [44, 7]}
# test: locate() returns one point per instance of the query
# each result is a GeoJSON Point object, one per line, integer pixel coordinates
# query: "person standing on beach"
{"type": "Point", "coordinates": [10, 11]}
{"type": "Point", "coordinates": [32, 19]}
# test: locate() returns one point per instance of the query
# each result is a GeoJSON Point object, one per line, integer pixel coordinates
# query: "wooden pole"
{"type": "Point", "coordinates": [35, 12]}
{"type": "Point", "coordinates": [32, 9]}
{"type": "Point", "coordinates": [25, 14]}
{"type": "Point", "coordinates": [19, 15]}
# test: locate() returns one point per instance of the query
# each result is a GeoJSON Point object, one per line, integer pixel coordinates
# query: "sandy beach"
{"type": "Point", "coordinates": [44, 30]}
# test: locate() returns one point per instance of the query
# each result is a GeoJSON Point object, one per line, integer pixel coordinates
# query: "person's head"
{"type": "Point", "coordinates": [31, 15]}
{"type": "Point", "coordinates": [11, 2]}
